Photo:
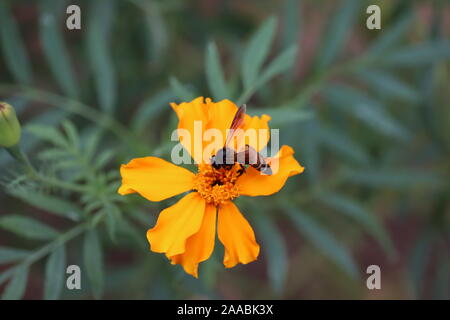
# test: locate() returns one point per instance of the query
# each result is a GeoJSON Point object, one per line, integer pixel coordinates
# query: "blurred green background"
{"type": "Point", "coordinates": [367, 112]}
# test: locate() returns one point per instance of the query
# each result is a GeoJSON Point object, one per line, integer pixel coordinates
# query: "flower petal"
{"type": "Point", "coordinates": [261, 127]}
{"type": "Point", "coordinates": [154, 178]}
{"type": "Point", "coordinates": [237, 236]}
{"type": "Point", "coordinates": [221, 115]}
{"type": "Point", "coordinates": [284, 165]}
{"type": "Point", "coordinates": [200, 245]}
{"type": "Point", "coordinates": [193, 116]}
{"type": "Point", "coordinates": [199, 116]}
{"type": "Point", "coordinates": [176, 224]}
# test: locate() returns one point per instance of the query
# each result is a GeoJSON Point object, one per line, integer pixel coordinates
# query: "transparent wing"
{"type": "Point", "coordinates": [237, 122]}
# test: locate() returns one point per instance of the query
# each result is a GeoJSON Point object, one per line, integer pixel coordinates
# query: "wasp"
{"type": "Point", "coordinates": [227, 157]}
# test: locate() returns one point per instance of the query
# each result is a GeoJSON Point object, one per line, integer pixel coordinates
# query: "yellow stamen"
{"type": "Point", "coordinates": [217, 186]}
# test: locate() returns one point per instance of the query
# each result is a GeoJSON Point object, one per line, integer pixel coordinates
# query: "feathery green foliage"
{"type": "Point", "coordinates": [369, 124]}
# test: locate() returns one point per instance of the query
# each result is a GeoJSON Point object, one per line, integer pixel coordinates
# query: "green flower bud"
{"type": "Point", "coordinates": [9, 126]}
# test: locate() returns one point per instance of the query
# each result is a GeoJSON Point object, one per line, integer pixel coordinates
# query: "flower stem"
{"type": "Point", "coordinates": [58, 241]}
{"type": "Point", "coordinates": [19, 155]}
{"type": "Point", "coordinates": [75, 107]}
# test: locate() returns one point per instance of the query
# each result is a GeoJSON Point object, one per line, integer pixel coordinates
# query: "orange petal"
{"type": "Point", "coordinates": [193, 117]}
{"type": "Point", "coordinates": [197, 116]}
{"type": "Point", "coordinates": [196, 109]}
{"type": "Point", "coordinates": [284, 165]}
{"type": "Point", "coordinates": [221, 116]}
{"type": "Point", "coordinates": [176, 224]}
{"type": "Point", "coordinates": [200, 245]}
{"type": "Point", "coordinates": [261, 127]}
{"type": "Point", "coordinates": [155, 179]}
{"type": "Point", "coordinates": [255, 130]}
{"type": "Point", "coordinates": [237, 236]}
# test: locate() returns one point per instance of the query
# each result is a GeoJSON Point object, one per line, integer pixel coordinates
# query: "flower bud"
{"type": "Point", "coordinates": [9, 126]}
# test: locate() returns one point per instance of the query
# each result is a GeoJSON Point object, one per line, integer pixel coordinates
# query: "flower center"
{"type": "Point", "coordinates": [217, 186]}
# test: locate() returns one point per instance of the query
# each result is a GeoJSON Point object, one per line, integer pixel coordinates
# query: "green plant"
{"type": "Point", "coordinates": [371, 128]}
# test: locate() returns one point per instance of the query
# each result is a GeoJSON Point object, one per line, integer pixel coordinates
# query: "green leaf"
{"type": "Point", "coordinates": [113, 219]}
{"type": "Point", "coordinates": [47, 133]}
{"type": "Point", "coordinates": [55, 273]}
{"type": "Point", "coordinates": [8, 255]}
{"type": "Point", "coordinates": [323, 240]}
{"type": "Point", "coordinates": [14, 52]}
{"type": "Point", "coordinates": [341, 143]}
{"type": "Point", "coordinates": [391, 178]}
{"type": "Point", "coordinates": [256, 52]}
{"type": "Point", "coordinates": [419, 259]}
{"type": "Point", "coordinates": [49, 203]}
{"type": "Point", "coordinates": [156, 30]}
{"type": "Point", "coordinates": [391, 36]}
{"type": "Point", "coordinates": [360, 214]}
{"type": "Point", "coordinates": [93, 261]}
{"type": "Point", "coordinates": [104, 158]}
{"type": "Point", "coordinates": [281, 63]}
{"type": "Point", "coordinates": [90, 142]}
{"type": "Point", "coordinates": [337, 33]}
{"type": "Point", "coordinates": [150, 108]}
{"type": "Point", "coordinates": [27, 227]}
{"type": "Point", "coordinates": [418, 55]}
{"type": "Point", "coordinates": [5, 275]}
{"type": "Point", "coordinates": [53, 45]}
{"type": "Point", "coordinates": [310, 144]}
{"type": "Point", "coordinates": [52, 154]}
{"type": "Point", "coordinates": [99, 52]}
{"type": "Point", "coordinates": [275, 250]}
{"type": "Point", "coordinates": [17, 285]}
{"type": "Point", "coordinates": [387, 84]}
{"type": "Point", "coordinates": [285, 115]}
{"type": "Point", "coordinates": [50, 118]}
{"type": "Point", "coordinates": [214, 73]}
{"type": "Point", "coordinates": [72, 133]}
{"type": "Point", "coordinates": [369, 111]}
{"type": "Point", "coordinates": [132, 233]}
{"type": "Point", "coordinates": [180, 90]}
{"type": "Point", "coordinates": [292, 19]}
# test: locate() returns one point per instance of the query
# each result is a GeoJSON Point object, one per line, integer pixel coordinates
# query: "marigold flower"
{"type": "Point", "coordinates": [185, 232]}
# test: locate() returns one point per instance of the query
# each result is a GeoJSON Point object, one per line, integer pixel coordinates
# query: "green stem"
{"type": "Point", "coordinates": [246, 95]}
{"type": "Point", "coordinates": [61, 184]}
{"type": "Point", "coordinates": [58, 241]}
{"type": "Point", "coordinates": [42, 252]}
{"type": "Point", "coordinates": [317, 81]}
{"type": "Point", "coordinates": [18, 154]}
{"type": "Point", "coordinates": [75, 107]}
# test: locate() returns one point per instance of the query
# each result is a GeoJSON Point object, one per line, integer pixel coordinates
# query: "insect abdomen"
{"type": "Point", "coordinates": [263, 168]}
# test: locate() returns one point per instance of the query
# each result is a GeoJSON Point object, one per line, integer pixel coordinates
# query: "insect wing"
{"type": "Point", "coordinates": [237, 122]}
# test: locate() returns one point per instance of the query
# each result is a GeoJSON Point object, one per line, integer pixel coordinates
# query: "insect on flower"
{"type": "Point", "coordinates": [185, 232]}
{"type": "Point", "coordinates": [227, 157]}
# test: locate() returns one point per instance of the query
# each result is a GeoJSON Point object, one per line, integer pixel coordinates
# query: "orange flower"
{"type": "Point", "coordinates": [185, 232]}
